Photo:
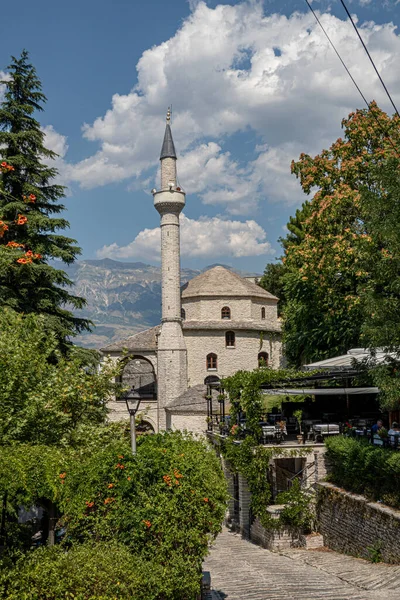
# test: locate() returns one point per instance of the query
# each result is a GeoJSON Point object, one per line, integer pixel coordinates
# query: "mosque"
{"type": "Point", "coordinates": [216, 324]}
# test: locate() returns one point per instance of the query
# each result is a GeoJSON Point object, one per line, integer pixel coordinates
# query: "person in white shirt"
{"type": "Point", "coordinates": [394, 434]}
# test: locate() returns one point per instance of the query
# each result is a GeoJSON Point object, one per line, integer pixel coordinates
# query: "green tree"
{"type": "Point", "coordinates": [43, 402]}
{"type": "Point", "coordinates": [30, 209]}
{"type": "Point", "coordinates": [381, 293]}
{"type": "Point", "coordinates": [337, 272]}
{"type": "Point", "coordinates": [273, 279]}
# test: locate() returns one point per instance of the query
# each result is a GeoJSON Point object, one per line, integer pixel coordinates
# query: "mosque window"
{"type": "Point", "coordinates": [230, 339]}
{"type": "Point", "coordinates": [212, 361]}
{"type": "Point", "coordinates": [226, 313]}
{"type": "Point", "coordinates": [263, 359]}
{"type": "Point", "coordinates": [183, 314]}
{"type": "Point", "coordinates": [263, 312]}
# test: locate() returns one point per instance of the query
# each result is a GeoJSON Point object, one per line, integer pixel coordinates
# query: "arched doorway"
{"type": "Point", "coordinates": [138, 378]}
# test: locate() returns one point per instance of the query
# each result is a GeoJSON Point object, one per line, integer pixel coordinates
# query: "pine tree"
{"type": "Point", "coordinates": [30, 209]}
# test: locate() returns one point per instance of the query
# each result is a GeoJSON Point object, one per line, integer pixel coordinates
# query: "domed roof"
{"type": "Point", "coordinates": [219, 281]}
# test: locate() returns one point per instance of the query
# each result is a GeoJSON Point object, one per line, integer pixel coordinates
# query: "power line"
{"type": "Point", "coordinates": [353, 80]}
{"type": "Point", "coordinates": [369, 56]}
{"type": "Point", "coordinates": [337, 53]}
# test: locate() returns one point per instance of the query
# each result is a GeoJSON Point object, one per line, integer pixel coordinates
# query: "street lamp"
{"type": "Point", "coordinates": [132, 400]}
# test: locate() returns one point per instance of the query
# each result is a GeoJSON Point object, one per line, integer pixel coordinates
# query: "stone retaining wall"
{"type": "Point", "coordinates": [353, 525]}
{"type": "Point", "coordinates": [273, 539]}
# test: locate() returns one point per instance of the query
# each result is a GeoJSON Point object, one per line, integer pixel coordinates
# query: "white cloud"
{"type": "Point", "coordinates": [3, 77]}
{"type": "Point", "coordinates": [55, 141]}
{"type": "Point", "coordinates": [234, 68]}
{"type": "Point", "coordinates": [205, 237]}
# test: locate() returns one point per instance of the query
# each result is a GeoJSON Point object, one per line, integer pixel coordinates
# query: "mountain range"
{"type": "Point", "coordinates": [122, 298]}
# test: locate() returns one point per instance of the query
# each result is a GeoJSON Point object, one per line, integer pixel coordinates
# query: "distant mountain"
{"type": "Point", "coordinates": [122, 298]}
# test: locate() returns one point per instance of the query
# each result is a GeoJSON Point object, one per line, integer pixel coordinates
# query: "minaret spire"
{"type": "Point", "coordinates": [168, 147]}
{"type": "Point", "coordinates": [171, 353]}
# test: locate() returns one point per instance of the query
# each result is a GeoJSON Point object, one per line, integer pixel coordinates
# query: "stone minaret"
{"type": "Point", "coordinates": [172, 355]}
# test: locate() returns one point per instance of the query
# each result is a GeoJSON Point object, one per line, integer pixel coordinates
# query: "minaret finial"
{"type": "Point", "coordinates": [169, 115]}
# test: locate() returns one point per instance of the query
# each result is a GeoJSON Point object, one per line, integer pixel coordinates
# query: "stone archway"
{"type": "Point", "coordinates": [144, 427]}
{"type": "Point", "coordinates": [138, 377]}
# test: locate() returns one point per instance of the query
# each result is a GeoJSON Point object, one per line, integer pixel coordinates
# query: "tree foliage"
{"type": "Point", "coordinates": [340, 263]}
{"type": "Point", "coordinates": [30, 210]}
{"type": "Point", "coordinates": [160, 507]}
{"type": "Point", "coordinates": [41, 400]}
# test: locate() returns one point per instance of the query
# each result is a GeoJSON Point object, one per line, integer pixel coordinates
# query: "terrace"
{"type": "Point", "coordinates": [301, 411]}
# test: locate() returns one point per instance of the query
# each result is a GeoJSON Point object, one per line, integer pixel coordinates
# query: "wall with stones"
{"type": "Point", "coordinates": [275, 540]}
{"type": "Point", "coordinates": [168, 172]}
{"type": "Point", "coordinates": [148, 410]}
{"type": "Point", "coordinates": [270, 310]}
{"type": "Point", "coordinates": [351, 524]}
{"type": "Point", "coordinates": [187, 421]}
{"type": "Point", "coordinates": [244, 355]}
{"type": "Point", "coordinates": [242, 309]}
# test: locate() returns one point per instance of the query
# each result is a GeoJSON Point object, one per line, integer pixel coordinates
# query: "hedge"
{"type": "Point", "coordinates": [102, 571]}
{"type": "Point", "coordinates": [365, 469]}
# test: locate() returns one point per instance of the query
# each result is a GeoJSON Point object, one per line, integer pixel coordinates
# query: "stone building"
{"type": "Point", "coordinates": [217, 324]}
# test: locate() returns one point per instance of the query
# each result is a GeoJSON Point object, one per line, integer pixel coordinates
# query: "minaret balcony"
{"type": "Point", "coordinates": [170, 200]}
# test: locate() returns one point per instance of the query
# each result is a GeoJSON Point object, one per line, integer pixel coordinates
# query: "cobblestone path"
{"type": "Point", "coordinates": [241, 570]}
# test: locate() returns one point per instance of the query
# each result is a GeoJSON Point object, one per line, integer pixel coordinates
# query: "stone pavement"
{"type": "Point", "coordinates": [241, 570]}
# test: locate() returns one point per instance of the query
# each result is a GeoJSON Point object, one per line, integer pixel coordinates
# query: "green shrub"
{"type": "Point", "coordinates": [298, 511]}
{"type": "Point", "coordinates": [102, 571]}
{"type": "Point", "coordinates": [162, 506]}
{"type": "Point", "coordinates": [365, 469]}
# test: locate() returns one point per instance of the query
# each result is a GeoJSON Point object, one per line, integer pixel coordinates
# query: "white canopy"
{"type": "Point", "coordinates": [337, 391]}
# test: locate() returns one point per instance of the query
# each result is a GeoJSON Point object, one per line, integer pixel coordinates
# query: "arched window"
{"type": "Point", "coordinates": [263, 312]}
{"type": "Point", "coordinates": [263, 359]}
{"type": "Point", "coordinates": [230, 339]}
{"type": "Point", "coordinates": [212, 362]}
{"type": "Point", "coordinates": [183, 314]}
{"type": "Point", "coordinates": [211, 379]}
{"type": "Point", "coordinates": [138, 378]}
{"type": "Point", "coordinates": [226, 312]}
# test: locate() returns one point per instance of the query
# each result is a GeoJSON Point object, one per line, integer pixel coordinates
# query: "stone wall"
{"type": "Point", "coordinates": [196, 423]}
{"type": "Point", "coordinates": [273, 539]}
{"type": "Point", "coordinates": [351, 524]}
{"type": "Point", "coordinates": [244, 355]}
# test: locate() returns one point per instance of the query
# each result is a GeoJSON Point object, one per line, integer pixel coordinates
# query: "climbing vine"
{"type": "Point", "coordinates": [251, 459]}
{"type": "Point", "coordinates": [245, 395]}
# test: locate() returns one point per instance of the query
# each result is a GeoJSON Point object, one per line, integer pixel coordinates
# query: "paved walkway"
{"type": "Point", "coordinates": [241, 570]}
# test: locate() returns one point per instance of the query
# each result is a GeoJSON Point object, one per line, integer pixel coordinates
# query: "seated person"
{"type": "Point", "coordinates": [394, 433]}
{"type": "Point", "coordinates": [378, 425]}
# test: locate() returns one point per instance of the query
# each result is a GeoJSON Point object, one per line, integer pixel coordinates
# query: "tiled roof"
{"type": "Point", "coordinates": [219, 281]}
{"type": "Point", "coordinates": [192, 400]}
{"type": "Point", "coordinates": [144, 341]}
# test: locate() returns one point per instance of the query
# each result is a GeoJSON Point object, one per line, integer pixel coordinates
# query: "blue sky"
{"type": "Point", "coordinates": [252, 85]}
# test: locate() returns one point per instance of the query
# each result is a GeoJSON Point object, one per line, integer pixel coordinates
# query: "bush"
{"type": "Point", "coordinates": [365, 469]}
{"type": "Point", "coordinates": [102, 571]}
{"type": "Point", "coordinates": [170, 497]}
{"type": "Point", "coordinates": [158, 509]}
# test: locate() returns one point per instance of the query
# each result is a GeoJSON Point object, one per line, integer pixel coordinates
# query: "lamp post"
{"type": "Point", "coordinates": [132, 404]}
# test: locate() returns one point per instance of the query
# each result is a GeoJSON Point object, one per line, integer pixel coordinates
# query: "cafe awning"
{"type": "Point", "coordinates": [336, 391]}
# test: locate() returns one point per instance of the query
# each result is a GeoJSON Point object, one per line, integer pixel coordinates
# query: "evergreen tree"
{"type": "Point", "coordinates": [30, 209]}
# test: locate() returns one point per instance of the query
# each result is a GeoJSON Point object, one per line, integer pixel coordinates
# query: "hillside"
{"type": "Point", "coordinates": [122, 298]}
